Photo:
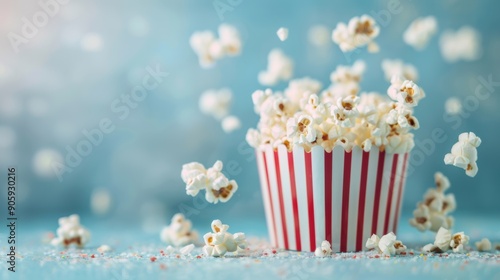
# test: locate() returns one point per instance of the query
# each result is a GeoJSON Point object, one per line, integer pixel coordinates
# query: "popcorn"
{"type": "Point", "coordinates": [209, 49]}
{"type": "Point", "coordinates": [453, 106]}
{"type": "Point", "coordinates": [279, 68]}
{"type": "Point", "coordinates": [282, 33]}
{"type": "Point", "coordinates": [217, 187]}
{"type": "Point", "coordinates": [179, 232]}
{"type": "Point", "coordinates": [484, 245]}
{"type": "Point", "coordinates": [387, 245]}
{"type": "Point", "coordinates": [464, 153]}
{"type": "Point", "coordinates": [345, 111]}
{"type": "Point", "coordinates": [230, 124]}
{"type": "Point", "coordinates": [372, 242]}
{"type": "Point", "coordinates": [458, 241]}
{"type": "Point", "coordinates": [463, 44]}
{"type": "Point", "coordinates": [360, 31]}
{"type": "Point", "coordinates": [103, 249]}
{"type": "Point", "coordinates": [219, 242]}
{"type": "Point", "coordinates": [405, 92]}
{"type": "Point", "coordinates": [430, 248]}
{"type": "Point", "coordinates": [420, 31]}
{"type": "Point", "coordinates": [70, 231]}
{"type": "Point", "coordinates": [216, 102]}
{"type": "Point", "coordinates": [431, 213]}
{"type": "Point", "coordinates": [324, 250]}
{"type": "Point", "coordinates": [443, 239]}
{"type": "Point", "coordinates": [186, 250]}
{"type": "Point", "coordinates": [301, 129]}
{"type": "Point", "coordinates": [318, 35]}
{"type": "Point", "coordinates": [397, 67]}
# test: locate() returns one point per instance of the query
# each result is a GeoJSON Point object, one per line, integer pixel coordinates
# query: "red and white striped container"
{"type": "Point", "coordinates": [343, 197]}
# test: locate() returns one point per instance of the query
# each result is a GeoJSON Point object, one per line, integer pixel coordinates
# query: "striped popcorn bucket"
{"type": "Point", "coordinates": [343, 197]}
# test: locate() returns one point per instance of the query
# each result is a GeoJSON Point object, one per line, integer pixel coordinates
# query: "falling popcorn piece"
{"type": "Point", "coordinates": [397, 67]}
{"type": "Point", "coordinates": [279, 68]}
{"type": "Point", "coordinates": [70, 231]}
{"type": "Point", "coordinates": [100, 201]}
{"type": "Point", "coordinates": [464, 153]}
{"type": "Point", "coordinates": [324, 250]}
{"type": "Point", "coordinates": [230, 124]}
{"type": "Point", "coordinates": [421, 218]}
{"type": "Point", "coordinates": [282, 33]}
{"type": "Point", "coordinates": [319, 35]}
{"type": "Point", "coordinates": [219, 242]}
{"type": "Point", "coordinates": [420, 31]}
{"type": "Point", "coordinates": [179, 232]}
{"type": "Point", "coordinates": [186, 250]}
{"type": "Point", "coordinates": [463, 44]}
{"type": "Point", "coordinates": [484, 245]}
{"type": "Point", "coordinates": [458, 241]}
{"type": "Point", "coordinates": [216, 102]}
{"type": "Point", "coordinates": [453, 106]}
{"type": "Point", "coordinates": [103, 249]}
{"type": "Point", "coordinates": [360, 31]}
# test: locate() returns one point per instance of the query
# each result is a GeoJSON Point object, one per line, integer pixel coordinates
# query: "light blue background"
{"type": "Point", "coordinates": [140, 162]}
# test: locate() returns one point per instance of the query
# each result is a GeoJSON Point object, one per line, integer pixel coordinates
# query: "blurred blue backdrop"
{"type": "Point", "coordinates": [65, 79]}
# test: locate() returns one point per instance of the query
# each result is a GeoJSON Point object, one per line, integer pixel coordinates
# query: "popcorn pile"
{"type": "Point", "coordinates": [217, 187]}
{"type": "Point", "coordinates": [396, 67]}
{"type": "Point", "coordinates": [431, 214]}
{"type": "Point", "coordinates": [179, 232]}
{"type": "Point", "coordinates": [420, 32]}
{"type": "Point", "coordinates": [446, 241]}
{"type": "Point", "coordinates": [359, 32]}
{"type": "Point", "coordinates": [209, 49]}
{"type": "Point", "coordinates": [279, 68]}
{"type": "Point", "coordinates": [304, 116]}
{"type": "Point", "coordinates": [464, 153]}
{"type": "Point", "coordinates": [70, 231]}
{"type": "Point", "coordinates": [217, 103]}
{"type": "Point", "coordinates": [386, 245]}
{"type": "Point", "coordinates": [463, 44]}
{"type": "Point", "coordinates": [219, 242]}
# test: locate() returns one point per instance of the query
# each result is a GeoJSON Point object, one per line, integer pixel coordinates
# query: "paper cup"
{"type": "Point", "coordinates": [343, 197]}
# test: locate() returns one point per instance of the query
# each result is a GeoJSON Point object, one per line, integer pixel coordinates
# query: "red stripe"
{"type": "Point", "coordinates": [328, 196]}
{"type": "Point", "coordinates": [362, 199]}
{"type": "Point", "coordinates": [295, 204]}
{"type": "Point", "coordinates": [270, 200]}
{"type": "Point", "coordinates": [345, 201]}
{"type": "Point", "coordinates": [391, 192]}
{"type": "Point", "coordinates": [280, 197]}
{"type": "Point", "coordinates": [378, 188]}
{"type": "Point", "coordinates": [310, 201]}
{"type": "Point", "coordinates": [401, 182]}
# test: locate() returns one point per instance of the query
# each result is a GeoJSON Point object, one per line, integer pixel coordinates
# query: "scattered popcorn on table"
{"type": "Point", "coordinates": [453, 106]}
{"type": "Point", "coordinates": [179, 232]}
{"type": "Point", "coordinates": [458, 241]}
{"type": "Point", "coordinates": [359, 32]}
{"type": "Point", "coordinates": [372, 242]}
{"type": "Point", "coordinates": [209, 49]}
{"type": "Point", "coordinates": [463, 44]}
{"type": "Point", "coordinates": [387, 245]}
{"type": "Point", "coordinates": [484, 245]}
{"type": "Point", "coordinates": [216, 102]}
{"type": "Point", "coordinates": [420, 32]}
{"type": "Point", "coordinates": [282, 33]}
{"type": "Point", "coordinates": [324, 250]}
{"type": "Point", "coordinates": [445, 241]}
{"type": "Point", "coordinates": [186, 250]}
{"type": "Point", "coordinates": [319, 35]}
{"type": "Point", "coordinates": [217, 187]}
{"type": "Point", "coordinates": [230, 124]}
{"type": "Point", "coordinates": [70, 231]}
{"type": "Point", "coordinates": [464, 153]}
{"type": "Point", "coordinates": [103, 249]}
{"type": "Point", "coordinates": [431, 213]}
{"type": "Point", "coordinates": [219, 242]}
{"type": "Point", "coordinates": [396, 67]}
{"type": "Point", "coordinates": [279, 68]}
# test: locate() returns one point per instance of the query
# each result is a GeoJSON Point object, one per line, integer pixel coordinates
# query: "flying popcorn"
{"type": "Point", "coordinates": [209, 49]}
{"type": "Point", "coordinates": [387, 245]}
{"type": "Point", "coordinates": [71, 232]}
{"type": "Point", "coordinates": [45, 160]}
{"type": "Point", "coordinates": [220, 241]}
{"type": "Point", "coordinates": [405, 91]}
{"type": "Point", "coordinates": [359, 32]}
{"type": "Point", "coordinates": [319, 35]}
{"type": "Point", "coordinates": [420, 32]}
{"type": "Point", "coordinates": [282, 33]}
{"type": "Point", "coordinates": [484, 245]}
{"type": "Point", "coordinates": [433, 212]}
{"type": "Point", "coordinates": [463, 44]}
{"type": "Point", "coordinates": [279, 68]}
{"type": "Point", "coordinates": [230, 124]}
{"type": "Point", "coordinates": [464, 153]}
{"type": "Point", "coordinates": [179, 232]}
{"type": "Point", "coordinates": [216, 102]}
{"type": "Point", "coordinates": [396, 67]}
{"type": "Point", "coordinates": [324, 250]}
{"type": "Point", "coordinates": [216, 186]}
{"type": "Point", "coordinates": [453, 106]}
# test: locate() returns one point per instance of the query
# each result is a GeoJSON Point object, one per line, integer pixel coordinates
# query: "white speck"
{"type": "Point", "coordinates": [319, 35]}
{"type": "Point", "coordinates": [91, 42]}
{"type": "Point", "coordinates": [230, 124]}
{"type": "Point", "coordinates": [453, 106]}
{"type": "Point", "coordinates": [100, 201]}
{"type": "Point", "coordinates": [44, 160]}
{"type": "Point", "coordinates": [282, 33]}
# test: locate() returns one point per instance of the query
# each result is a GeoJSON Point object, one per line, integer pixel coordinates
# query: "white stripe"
{"type": "Point", "coordinates": [318, 174]}
{"type": "Point", "coordinates": [386, 180]}
{"type": "Point", "coordinates": [300, 181]}
{"type": "Point", "coordinates": [274, 195]}
{"type": "Point", "coordinates": [354, 198]}
{"type": "Point", "coordinates": [403, 189]}
{"type": "Point", "coordinates": [370, 193]}
{"type": "Point", "coordinates": [337, 179]}
{"type": "Point", "coordinates": [397, 180]}
{"type": "Point", "coordinates": [287, 196]}
{"type": "Point", "coordinates": [265, 196]}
